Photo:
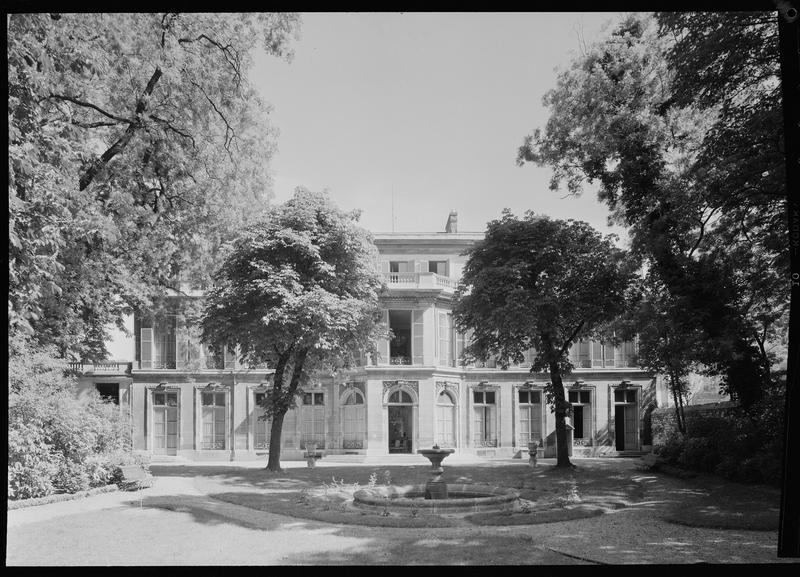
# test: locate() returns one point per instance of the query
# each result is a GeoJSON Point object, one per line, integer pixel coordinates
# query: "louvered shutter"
{"type": "Point", "coordinates": [383, 344]}
{"type": "Point", "coordinates": [417, 334]}
{"type": "Point", "coordinates": [147, 348]}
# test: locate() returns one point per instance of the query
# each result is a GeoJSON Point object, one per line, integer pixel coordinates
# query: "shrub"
{"type": "Point", "coordinates": [745, 446]}
{"type": "Point", "coordinates": [57, 442]}
{"type": "Point", "coordinates": [700, 454]}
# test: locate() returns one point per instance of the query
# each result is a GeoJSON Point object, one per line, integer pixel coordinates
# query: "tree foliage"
{"type": "Point", "coordinates": [298, 292]}
{"type": "Point", "coordinates": [136, 141]}
{"type": "Point", "coordinates": [679, 154]}
{"type": "Point", "coordinates": [539, 283]}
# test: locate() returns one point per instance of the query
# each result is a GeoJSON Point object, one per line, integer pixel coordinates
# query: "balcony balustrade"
{"type": "Point", "coordinates": [104, 368]}
{"type": "Point", "coordinates": [419, 280]}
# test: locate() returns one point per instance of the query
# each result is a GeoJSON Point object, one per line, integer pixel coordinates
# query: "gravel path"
{"type": "Point", "coordinates": [177, 523]}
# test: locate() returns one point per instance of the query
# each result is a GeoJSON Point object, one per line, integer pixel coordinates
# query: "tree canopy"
{"type": "Point", "coordinates": [687, 156]}
{"type": "Point", "coordinates": [298, 292]}
{"type": "Point", "coordinates": [539, 283]}
{"type": "Point", "coordinates": [136, 142]}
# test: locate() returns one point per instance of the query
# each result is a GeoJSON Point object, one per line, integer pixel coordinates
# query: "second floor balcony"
{"type": "Point", "coordinates": [419, 280]}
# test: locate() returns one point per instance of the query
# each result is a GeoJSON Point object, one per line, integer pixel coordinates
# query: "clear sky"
{"type": "Point", "coordinates": [427, 109]}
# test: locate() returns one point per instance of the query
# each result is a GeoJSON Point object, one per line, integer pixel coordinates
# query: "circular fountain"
{"type": "Point", "coordinates": [435, 495]}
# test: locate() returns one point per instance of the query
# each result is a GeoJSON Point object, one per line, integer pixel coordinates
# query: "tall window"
{"type": "Point", "coordinates": [530, 417]}
{"type": "Point", "coordinates": [164, 345]}
{"type": "Point", "coordinates": [485, 419]}
{"type": "Point", "coordinates": [353, 421]}
{"type": "Point", "coordinates": [581, 416]}
{"type": "Point", "coordinates": [213, 420]}
{"type": "Point", "coordinates": [313, 420]}
{"type": "Point", "coordinates": [445, 341]}
{"type": "Point", "coordinates": [445, 420]}
{"type": "Point", "coordinates": [400, 345]}
{"type": "Point", "coordinates": [580, 354]}
{"type": "Point", "coordinates": [262, 427]}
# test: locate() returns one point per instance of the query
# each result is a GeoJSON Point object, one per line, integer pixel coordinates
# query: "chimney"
{"type": "Point", "coordinates": [452, 222]}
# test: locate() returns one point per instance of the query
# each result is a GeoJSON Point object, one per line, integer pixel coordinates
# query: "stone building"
{"type": "Point", "coordinates": [184, 402]}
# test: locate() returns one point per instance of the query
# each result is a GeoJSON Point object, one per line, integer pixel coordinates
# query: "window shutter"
{"type": "Point", "coordinates": [384, 266]}
{"type": "Point", "coordinates": [460, 348]}
{"type": "Point", "coordinates": [147, 348]}
{"type": "Point", "coordinates": [417, 337]}
{"type": "Point", "coordinates": [383, 344]}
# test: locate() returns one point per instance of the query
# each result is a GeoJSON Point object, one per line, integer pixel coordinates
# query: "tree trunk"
{"type": "Point", "coordinates": [276, 428]}
{"type": "Point", "coordinates": [562, 449]}
{"type": "Point", "coordinates": [674, 385]}
{"type": "Point", "coordinates": [274, 463]}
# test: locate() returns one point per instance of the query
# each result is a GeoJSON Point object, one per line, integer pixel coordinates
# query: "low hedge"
{"type": "Point", "coordinates": [60, 497]}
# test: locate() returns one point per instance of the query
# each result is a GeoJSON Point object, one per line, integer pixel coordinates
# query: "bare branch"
{"type": "Point", "coordinates": [230, 53]}
{"type": "Point", "coordinates": [95, 167]}
{"type": "Point", "coordinates": [230, 134]}
{"type": "Point", "coordinates": [89, 105]}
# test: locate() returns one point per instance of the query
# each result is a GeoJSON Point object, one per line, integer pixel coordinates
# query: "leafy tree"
{"type": "Point", "coordinates": [136, 141]}
{"type": "Point", "coordinates": [298, 292]}
{"type": "Point", "coordinates": [539, 283]}
{"type": "Point", "coordinates": [620, 118]}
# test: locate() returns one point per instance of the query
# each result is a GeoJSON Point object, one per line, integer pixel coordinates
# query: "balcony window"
{"type": "Point", "coordinates": [401, 266]}
{"type": "Point", "coordinates": [438, 266]}
{"type": "Point", "coordinates": [400, 345]}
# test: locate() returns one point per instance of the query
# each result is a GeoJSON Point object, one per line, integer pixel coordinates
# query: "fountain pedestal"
{"type": "Point", "coordinates": [436, 488]}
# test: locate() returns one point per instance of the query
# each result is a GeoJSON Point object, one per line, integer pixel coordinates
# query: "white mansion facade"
{"type": "Point", "coordinates": [185, 403]}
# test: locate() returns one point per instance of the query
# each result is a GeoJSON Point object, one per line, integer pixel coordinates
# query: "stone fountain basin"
{"type": "Point", "coordinates": [461, 497]}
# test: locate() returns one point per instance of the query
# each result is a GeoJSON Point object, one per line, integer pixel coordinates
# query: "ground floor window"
{"type": "Point", "coordinates": [445, 420]}
{"type": "Point", "coordinates": [165, 422]}
{"type": "Point", "coordinates": [213, 417]}
{"type": "Point", "coordinates": [262, 427]}
{"type": "Point", "coordinates": [108, 391]}
{"type": "Point", "coordinates": [581, 416]}
{"type": "Point", "coordinates": [530, 417]}
{"type": "Point", "coordinates": [485, 419]}
{"type": "Point", "coordinates": [313, 420]}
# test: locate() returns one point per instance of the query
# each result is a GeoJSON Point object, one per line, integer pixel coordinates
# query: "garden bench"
{"type": "Point", "coordinates": [135, 476]}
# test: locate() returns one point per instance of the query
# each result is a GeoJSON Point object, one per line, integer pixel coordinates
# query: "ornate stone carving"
{"type": "Point", "coordinates": [451, 386]}
{"type": "Point", "coordinates": [413, 385]}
